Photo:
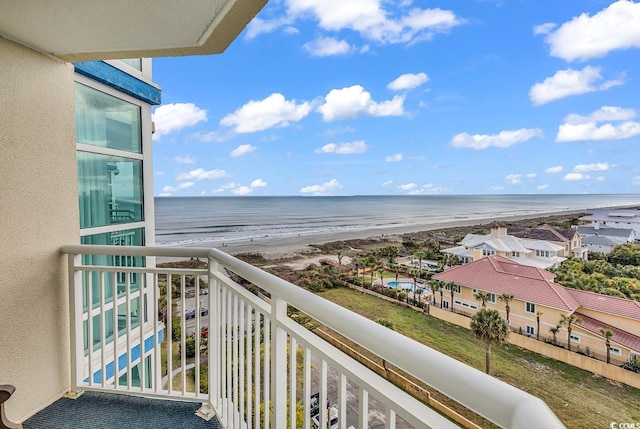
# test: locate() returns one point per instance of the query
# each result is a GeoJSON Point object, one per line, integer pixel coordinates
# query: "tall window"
{"type": "Point", "coordinates": [530, 307]}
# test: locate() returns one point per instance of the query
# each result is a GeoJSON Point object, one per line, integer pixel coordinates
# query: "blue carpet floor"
{"type": "Point", "coordinates": [109, 411]}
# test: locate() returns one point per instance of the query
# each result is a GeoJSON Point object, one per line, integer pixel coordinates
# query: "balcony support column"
{"type": "Point", "coordinates": [278, 364]}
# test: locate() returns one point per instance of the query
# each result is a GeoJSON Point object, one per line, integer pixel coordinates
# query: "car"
{"type": "Point", "coordinates": [203, 311]}
{"type": "Point", "coordinates": [190, 314]}
{"type": "Point", "coordinates": [333, 418]}
{"type": "Point", "coordinates": [204, 332]}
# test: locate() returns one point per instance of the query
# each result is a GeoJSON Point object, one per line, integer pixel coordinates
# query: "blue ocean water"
{"type": "Point", "coordinates": [211, 221]}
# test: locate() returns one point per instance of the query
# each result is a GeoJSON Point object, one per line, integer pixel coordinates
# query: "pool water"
{"type": "Point", "coordinates": [401, 285]}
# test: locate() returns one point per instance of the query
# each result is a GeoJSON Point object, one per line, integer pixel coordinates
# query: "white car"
{"type": "Point", "coordinates": [333, 418]}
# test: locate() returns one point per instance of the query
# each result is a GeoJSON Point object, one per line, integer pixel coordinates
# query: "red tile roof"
{"type": "Point", "coordinates": [497, 274]}
{"type": "Point", "coordinates": [621, 337]}
{"type": "Point", "coordinates": [606, 304]}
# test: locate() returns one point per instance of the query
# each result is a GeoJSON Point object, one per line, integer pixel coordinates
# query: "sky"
{"type": "Point", "coordinates": [381, 97]}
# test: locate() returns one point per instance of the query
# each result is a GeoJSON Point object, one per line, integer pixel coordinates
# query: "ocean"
{"type": "Point", "coordinates": [214, 221]}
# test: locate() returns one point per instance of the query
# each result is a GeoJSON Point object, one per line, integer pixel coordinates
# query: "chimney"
{"type": "Point", "coordinates": [498, 231]}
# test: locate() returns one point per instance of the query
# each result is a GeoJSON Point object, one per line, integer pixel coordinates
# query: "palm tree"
{"type": "Point", "coordinates": [482, 298]}
{"type": "Point", "coordinates": [381, 274]}
{"type": "Point", "coordinates": [420, 255]}
{"type": "Point", "coordinates": [435, 287]}
{"type": "Point", "coordinates": [568, 321]}
{"type": "Point", "coordinates": [489, 326]}
{"type": "Point", "coordinates": [506, 298]}
{"type": "Point", "coordinates": [607, 334]}
{"type": "Point", "coordinates": [554, 330]}
{"type": "Point", "coordinates": [451, 285]}
{"type": "Point", "coordinates": [340, 256]}
{"type": "Point", "coordinates": [538, 314]}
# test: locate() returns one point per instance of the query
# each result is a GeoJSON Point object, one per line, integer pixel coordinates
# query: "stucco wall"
{"type": "Point", "coordinates": [38, 214]}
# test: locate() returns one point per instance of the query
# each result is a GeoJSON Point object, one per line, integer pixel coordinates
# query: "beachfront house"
{"type": "Point", "coordinates": [607, 218]}
{"type": "Point", "coordinates": [536, 295]}
{"type": "Point", "coordinates": [532, 252]}
{"type": "Point", "coordinates": [569, 239]}
{"type": "Point", "coordinates": [80, 308]}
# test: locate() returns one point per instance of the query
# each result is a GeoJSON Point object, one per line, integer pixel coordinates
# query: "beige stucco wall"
{"type": "Point", "coordinates": [38, 214]}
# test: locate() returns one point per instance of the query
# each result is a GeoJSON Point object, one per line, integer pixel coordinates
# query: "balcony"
{"type": "Point", "coordinates": [256, 366]}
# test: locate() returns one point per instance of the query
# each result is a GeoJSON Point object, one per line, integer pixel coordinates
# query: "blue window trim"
{"type": "Point", "coordinates": [115, 78]}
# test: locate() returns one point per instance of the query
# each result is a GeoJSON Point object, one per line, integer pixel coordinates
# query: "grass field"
{"type": "Point", "coordinates": [579, 398]}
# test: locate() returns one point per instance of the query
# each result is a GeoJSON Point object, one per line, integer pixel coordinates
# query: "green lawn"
{"type": "Point", "coordinates": [579, 398]}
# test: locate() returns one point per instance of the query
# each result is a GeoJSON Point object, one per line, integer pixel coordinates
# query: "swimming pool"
{"type": "Point", "coordinates": [402, 285]}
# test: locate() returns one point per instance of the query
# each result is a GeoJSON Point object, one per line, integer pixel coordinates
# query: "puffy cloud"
{"type": "Point", "coordinates": [394, 158]}
{"type": "Point", "coordinates": [263, 114]}
{"type": "Point", "coordinates": [408, 81]}
{"type": "Point", "coordinates": [565, 83]}
{"type": "Point", "coordinates": [513, 179]}
{"type": "Point", "coordinates": [372, 21]}
{"type": "Point", "coordinates": [238, 189]}
{"type": "Point", "coordinates": [572, 177]}
{"type": "Point", "coordinates": [187, 159]}
{"type": "Point", "coordinates": [327, 46]}
{"type": "Point", "coordinates": [584, 37]}
{"type": "Point", "coordinates": [408, 187]}
{"type": "Point", "coordinates": [502, 139]}
{"type": "Point", "coordinates": [242, 150]}
{"type": "Point", "coordinates": [176, 116]}
{"type": "Point", "coordinates": [387, 183]}
{"type": "Point", "coordinates": [259, 26]}
{"type": "Point", "coordinates": [323, 189]}
{"type": "Point", "coordinates": [258, 183]}
{"type": "Point", "coordinates": [544, 28]}
{"type": "Point", "coordinates": [354, 101]}
{"type": "Point", "coordinates": [600, 166]}
{"type": "Point", "coordinates": [202, 174]}
{"type": "Point", "coordinates": [242, 190]}
{"type": "Point", "coordinates": [184, 185]}
{"type": "Point", "coordinates": [552, 170]}
{"type": "Point", "coordinates": [531, 175]}
{"type": "Point", "coordinates": [586, 128]}
{"type": "Point", "coordinates": [344, 148]}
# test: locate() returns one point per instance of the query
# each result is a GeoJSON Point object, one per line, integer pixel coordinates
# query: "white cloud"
{"type": "Point", "coordinates": [344, 148]}
{"type": "Point", "coordinates": [584, 37]}
{"type": "Point", "coordinates": [542, 187]}
{"type": "Point", "coordinates": [186, 159]}
{"type": "Point", "coordinates": [544, 28]}
{"type": "Point", "coordinates": [259, 26]}
{"type": "Point", "coordinates": [183, 185]}
{"type": "Point", "coordinates": [502, 139]}
{"type": "Point", "coordinates": [258, 183]}
{"type": "Point", "coordinates": [201, 174]}
{"type": "Point", "coordinates": [372, 21]}
{"type": "Point", "coordinates": [552, 170]}
{"type": "Point", "coordinates": [565, 83]}
{"type": "Point", "coordinates": [586, 128]}
{"type": "Point", "coordinates": [242, 150]}
{"type": "Point", "coordinates": [513, 179]}
{"type": "Point", "coordinates": [176, 116]}
{"type": "Point", "coordinates": [388, 183]}
{"type": "Point", "coordinates": [531, 175]}
{"type": "Point", "coordinates": [263, 114]}
{"type": "Point", "coordinates": [333, 132]}
{"type": "Point", "coordinates": [242, 190]}
{"type": "Point", "coordinates": [572, 177]}
{"type": "Point", "coordinates": [323, 189]}
{"type": "Point", "coordinates": [351, 102]}
{"type": "Point", "coordinates": [327, 46]}
{"type": "Point", "coordinates": [600, 166]}
{"type": "Point", "coordinates": [408, 81]}
{"type": "Point", "coordinates": [394, 158]}
{"type": "Point", "coordinates": [407, 187]}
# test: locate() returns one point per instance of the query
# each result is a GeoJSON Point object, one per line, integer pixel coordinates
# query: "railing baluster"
{"type": "Point", "coordinates": [293, 348]}
{"type": "Point", "coordinates": [183, 337]}
{"type": "Point", "coordinates": [156, 364]}
{"type": "Point", "coordinates": [256, 368]}
{"type": "Point", "coordinates": [76, 317]}
{"type": "Point", "coordinates": [390, 420]}
{"type": "Point", "coordinates": [170, 333]}
{"type": "Point", "coordinates": [267, 373]}
{"type": "Point", "coordinates": [236, 362]}
{"type": "Point", "coordinates": [229, 359]}
{"type": "Point", "coordinates": [90, 327]}
{"type": "Point", "coordinates": [103, 335]}
{"type": "Point", "coordinates": [141, 364]}
{"type": "Point", "coordinates": [116, 330]}
{"type": "Point", "coordinates": [342, 401]}
{"type": "Point", "coordinates": [242, 340]}
{"type": "Point", "coordinates": [306, 388]}
{"type": "Point", "coordinates": [128, 329]}
{"type": "Point", "coordinates": [278, 363]}
{"type": "Point", "coordinates": [323, 394]}
{"type": "Point", "coordinates": [250, 350]}
{"type": "Point", "coordinates": [363, 415]}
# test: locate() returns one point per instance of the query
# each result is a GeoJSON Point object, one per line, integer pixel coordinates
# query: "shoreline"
{"type": "Point", "coordinates": [303, 247]}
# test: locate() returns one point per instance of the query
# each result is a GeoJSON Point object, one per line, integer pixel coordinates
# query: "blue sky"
{"type": "Point", "coordinates": [377, 97]}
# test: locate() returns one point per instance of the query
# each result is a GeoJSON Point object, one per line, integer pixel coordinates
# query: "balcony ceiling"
{"type": "Point", "coordinates": [83, 30]}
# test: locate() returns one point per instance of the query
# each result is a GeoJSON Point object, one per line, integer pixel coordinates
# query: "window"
{"type": "Point", "coordinates": [515, 254]}
{"type": "Point", "coordinates": [445, 305]}
{"type": "Point", "coordinates": [488, 252]}
{"type": "Point", "coordinates": [530, 330]}
{"type": "Point", "coordinates": [530, 307]}
{"type": "Point", "coordinates": [106, 121]}
{"type": "Point", "coordinates": [575, 339]}
{"type": "Point", "coordinates": [474, 290]}
{"type": "Point", "coordinates": [491, 297]}
{"type": "Point", "coordinates": [543, 253]}
{"type": "Point", "coordinates": [614, 351]}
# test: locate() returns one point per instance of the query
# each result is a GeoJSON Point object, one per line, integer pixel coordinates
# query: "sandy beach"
{"type": "Point", "coordinates": [300, 250]}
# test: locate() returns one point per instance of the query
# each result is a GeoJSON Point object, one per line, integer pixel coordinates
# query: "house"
{"type": "Point", "coordinates": [607, 218]}
{"type": "Point", "coordinates": [598, 243]}
{"type": "Point", "coordinates": [569, 239]}
{"type": "Point", "coordinates": [532, 252]}
{"type": "Point", "coordinates": [536, 295]}
{"type": "Point", "coordinates": [617, 235]}
{"type": "Point", "coordinates": [77, 259]}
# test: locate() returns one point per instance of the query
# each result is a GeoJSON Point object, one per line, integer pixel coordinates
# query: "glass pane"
{"type": "Point", "coordinates": [106, 121]}
{"type": "Point", "coordinates": [136, 63]}
{"type": "Point", "coordinates": [109, 190]}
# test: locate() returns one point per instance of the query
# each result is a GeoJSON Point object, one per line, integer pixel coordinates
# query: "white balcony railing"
{"type": "Point", "coordinates": [262, 366]}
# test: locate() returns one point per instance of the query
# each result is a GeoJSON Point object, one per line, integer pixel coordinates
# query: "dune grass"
{"type": "Point", "coordinates": [579, 398]}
